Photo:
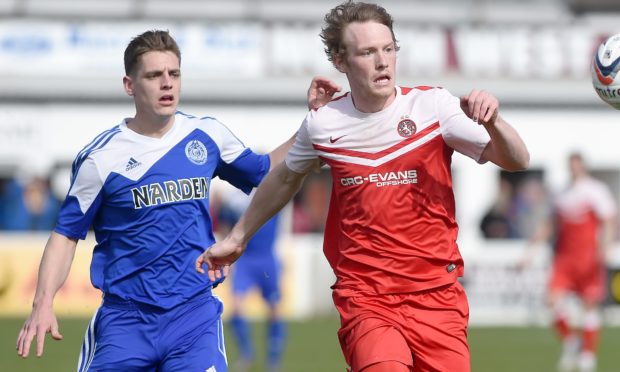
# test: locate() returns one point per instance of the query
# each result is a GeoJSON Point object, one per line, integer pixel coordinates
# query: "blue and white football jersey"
{"type": "Point", "coordinates": [148, 202]}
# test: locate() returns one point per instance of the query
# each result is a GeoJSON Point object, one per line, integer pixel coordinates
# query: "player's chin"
{"type": "Point", "coordinates": [166, 110]}
{"type": "Point", "coordinates": [383, 91]}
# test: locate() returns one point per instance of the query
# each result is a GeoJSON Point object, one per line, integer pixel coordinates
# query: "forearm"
{"type": "Point", "coordinates": [272, 195]}
{"type": "Point", "coordinates": [54, 268]}
{"type": "Point", "coordinates": [277, 156]}
{"type": "Point", "coordinates": [506, 148]}
{"type": "Point", "coordinates": [607, 234]}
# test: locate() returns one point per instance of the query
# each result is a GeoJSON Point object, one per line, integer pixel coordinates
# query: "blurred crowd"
{"type": "Point", "coordinates": [522, 202]}
{"type": "Point", "coordinates": [27, 203]}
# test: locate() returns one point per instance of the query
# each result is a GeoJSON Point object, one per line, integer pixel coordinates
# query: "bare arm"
{"type": "Point", "coordinates": [277, 156]}
{"type": "Point", "coordinates": [277, 189]}
{"type": "Point", "coordinates": [607, 235]}
{"type": "Point", "coordinates": [53, 271]}
{"type": "Point", "coordinates": [506, 148]}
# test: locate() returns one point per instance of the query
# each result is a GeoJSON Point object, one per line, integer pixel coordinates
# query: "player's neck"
{"type": "Point", "coordinates": [371, 103]}
{"type": "Point", "coordinates": [153, 127]}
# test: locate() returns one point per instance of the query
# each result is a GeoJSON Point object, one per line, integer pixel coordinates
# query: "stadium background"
{"type": "Point", "coordinates": [248, 63]}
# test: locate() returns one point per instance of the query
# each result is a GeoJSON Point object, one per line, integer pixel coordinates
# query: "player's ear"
{"type": "Point", "coordinates": [128, 85]}
{"type": "Point", "coordinates": [340, 63]}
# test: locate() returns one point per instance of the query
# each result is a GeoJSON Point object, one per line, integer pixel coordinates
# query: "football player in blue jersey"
{"type": "Point", "coordinates": [260, 269]}
{"type": "Point", "coordinates": [143, 186]}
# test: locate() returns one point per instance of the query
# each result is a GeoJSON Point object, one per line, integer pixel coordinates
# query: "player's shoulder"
{"type": "Point", "coordinates": [336, 113]}
{"type": "Point", "coordinates": [101, 140]}
{"type": "Point", "coordinates": [425, 98]}
{"type": "Point", "coordinates": [336, 104]}
{"type": "Point", "coordinates": [595, 184]}
{"type": "Point", "coordinates": [406, 90]}
{"type": "Point", "coordinates": [207, 124]}
{"type": "Point", "coordinates": [210, 128]}
{"type": "Point", "coordinates": [422, 91]}
{"type": "Point", "coordinates": [188, 120]}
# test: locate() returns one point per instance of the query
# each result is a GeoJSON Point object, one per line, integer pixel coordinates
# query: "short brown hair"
{"type": "Point", "coordinates": [348, 12]}
{"type": "Point", "coordinates": [153, 40]}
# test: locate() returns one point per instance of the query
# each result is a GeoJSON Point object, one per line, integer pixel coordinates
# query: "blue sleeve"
{"type": "Point", "coordinates": [72, 223]}
{"type": "Point", "coordinates": [246, 171]}
{"type": "Point", "coordinates": [82, 202]}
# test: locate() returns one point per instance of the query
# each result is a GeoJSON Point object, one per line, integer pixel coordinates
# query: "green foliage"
{"type": "Point", "coordinates": [313, 346]}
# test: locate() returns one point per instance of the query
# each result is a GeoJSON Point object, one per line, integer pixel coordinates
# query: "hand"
{"type": "Point", "coordinates": [321, 91]}
{"type": "Point", "coordinates": [41, 321]}
{"type": "Point", "coordinates": [481, 107]}
{"type": "Point", "coordinates": [218, 258]}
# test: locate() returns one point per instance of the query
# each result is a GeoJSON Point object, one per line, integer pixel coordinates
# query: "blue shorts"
{"type": "Point", "coordinates": [264, 273]}
{"type": "Point", "coordinates": [125, 336]}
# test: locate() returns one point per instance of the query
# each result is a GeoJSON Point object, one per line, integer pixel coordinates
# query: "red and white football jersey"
{"type": "Point", "coordinates": [579, 210]}
{"type": "Point", "coordinates": [391, 226]}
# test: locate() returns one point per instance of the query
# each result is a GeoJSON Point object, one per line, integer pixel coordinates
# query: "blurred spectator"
{"type": "Point", "coordinates": [522, 203]}
{"type": "Point", "coordinates": [28, 204]}
{"type": "Point", "coordinates": [530, 206]}
{"type": "Point", "coordinates": [497, 222]}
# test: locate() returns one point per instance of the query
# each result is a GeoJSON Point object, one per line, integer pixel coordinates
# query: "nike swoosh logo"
{"type": "Point", "coordinates": [334, 140]}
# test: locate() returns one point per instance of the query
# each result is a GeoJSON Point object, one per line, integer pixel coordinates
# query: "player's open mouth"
{"type": "Point", "coordinates": [383, 79]}
{"type": "Point", "coordinates": [166, 99]}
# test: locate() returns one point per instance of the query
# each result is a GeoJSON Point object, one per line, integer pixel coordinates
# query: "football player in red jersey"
{"type": "Point", "coordinates": [391, 230]}
{"type": "Point", "coordinates": [583, 224]}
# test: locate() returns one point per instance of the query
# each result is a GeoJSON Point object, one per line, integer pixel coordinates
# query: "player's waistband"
{"type": "Point", "coordinates": [114, 301]}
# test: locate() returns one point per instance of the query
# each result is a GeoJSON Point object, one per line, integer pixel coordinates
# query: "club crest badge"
{"type": "Point", "coordinates": [406, 127]}
{"type": "Point", "coordinates": [196, 152]}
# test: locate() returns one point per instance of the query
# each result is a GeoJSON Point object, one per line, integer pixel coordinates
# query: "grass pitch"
{"type": "Point", "coordinates": [313, 346]}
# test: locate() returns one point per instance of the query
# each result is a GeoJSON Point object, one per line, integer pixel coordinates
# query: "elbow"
{"type": "Point", "coordinates": [519, 163]}
{"type": "Point", "coordinates": [524, 164]}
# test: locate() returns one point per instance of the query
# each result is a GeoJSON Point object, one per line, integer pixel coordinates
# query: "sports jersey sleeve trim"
{"type": "Point", "coordinates": [302, 157]}
{"type": "Point", "coordinates": [100, 141]}
{"type": "Point", "coordinates": [69, 234]}
{"type": "Point", "coordinates": [232, 147]}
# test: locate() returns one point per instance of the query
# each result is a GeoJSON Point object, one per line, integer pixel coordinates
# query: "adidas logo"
{"type": "Point", "coordinates": [131, 164]}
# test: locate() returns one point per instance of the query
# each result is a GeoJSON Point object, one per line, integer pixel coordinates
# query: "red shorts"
{"type": "Point", "coordinates": [425, 330]}
{"type": "Point", "coordinates": [587, 281]}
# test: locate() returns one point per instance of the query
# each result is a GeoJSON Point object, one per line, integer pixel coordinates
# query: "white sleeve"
{"type": "Point", "coordinates": [458, 131]}
{"type": "Point", "coordinates": [230, 146]}
{"type": "Point", "coordinates": [302, 158]}
{"type": "Point", "coordinates": [603, 202]}
{"type": "Point", "coordinates": [87, 184]}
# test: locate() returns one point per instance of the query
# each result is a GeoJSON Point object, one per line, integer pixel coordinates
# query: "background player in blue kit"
{"type": "Point", "coordinates": [258, 268]}
{"type": "Point", "coordinates": [143, 186]}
